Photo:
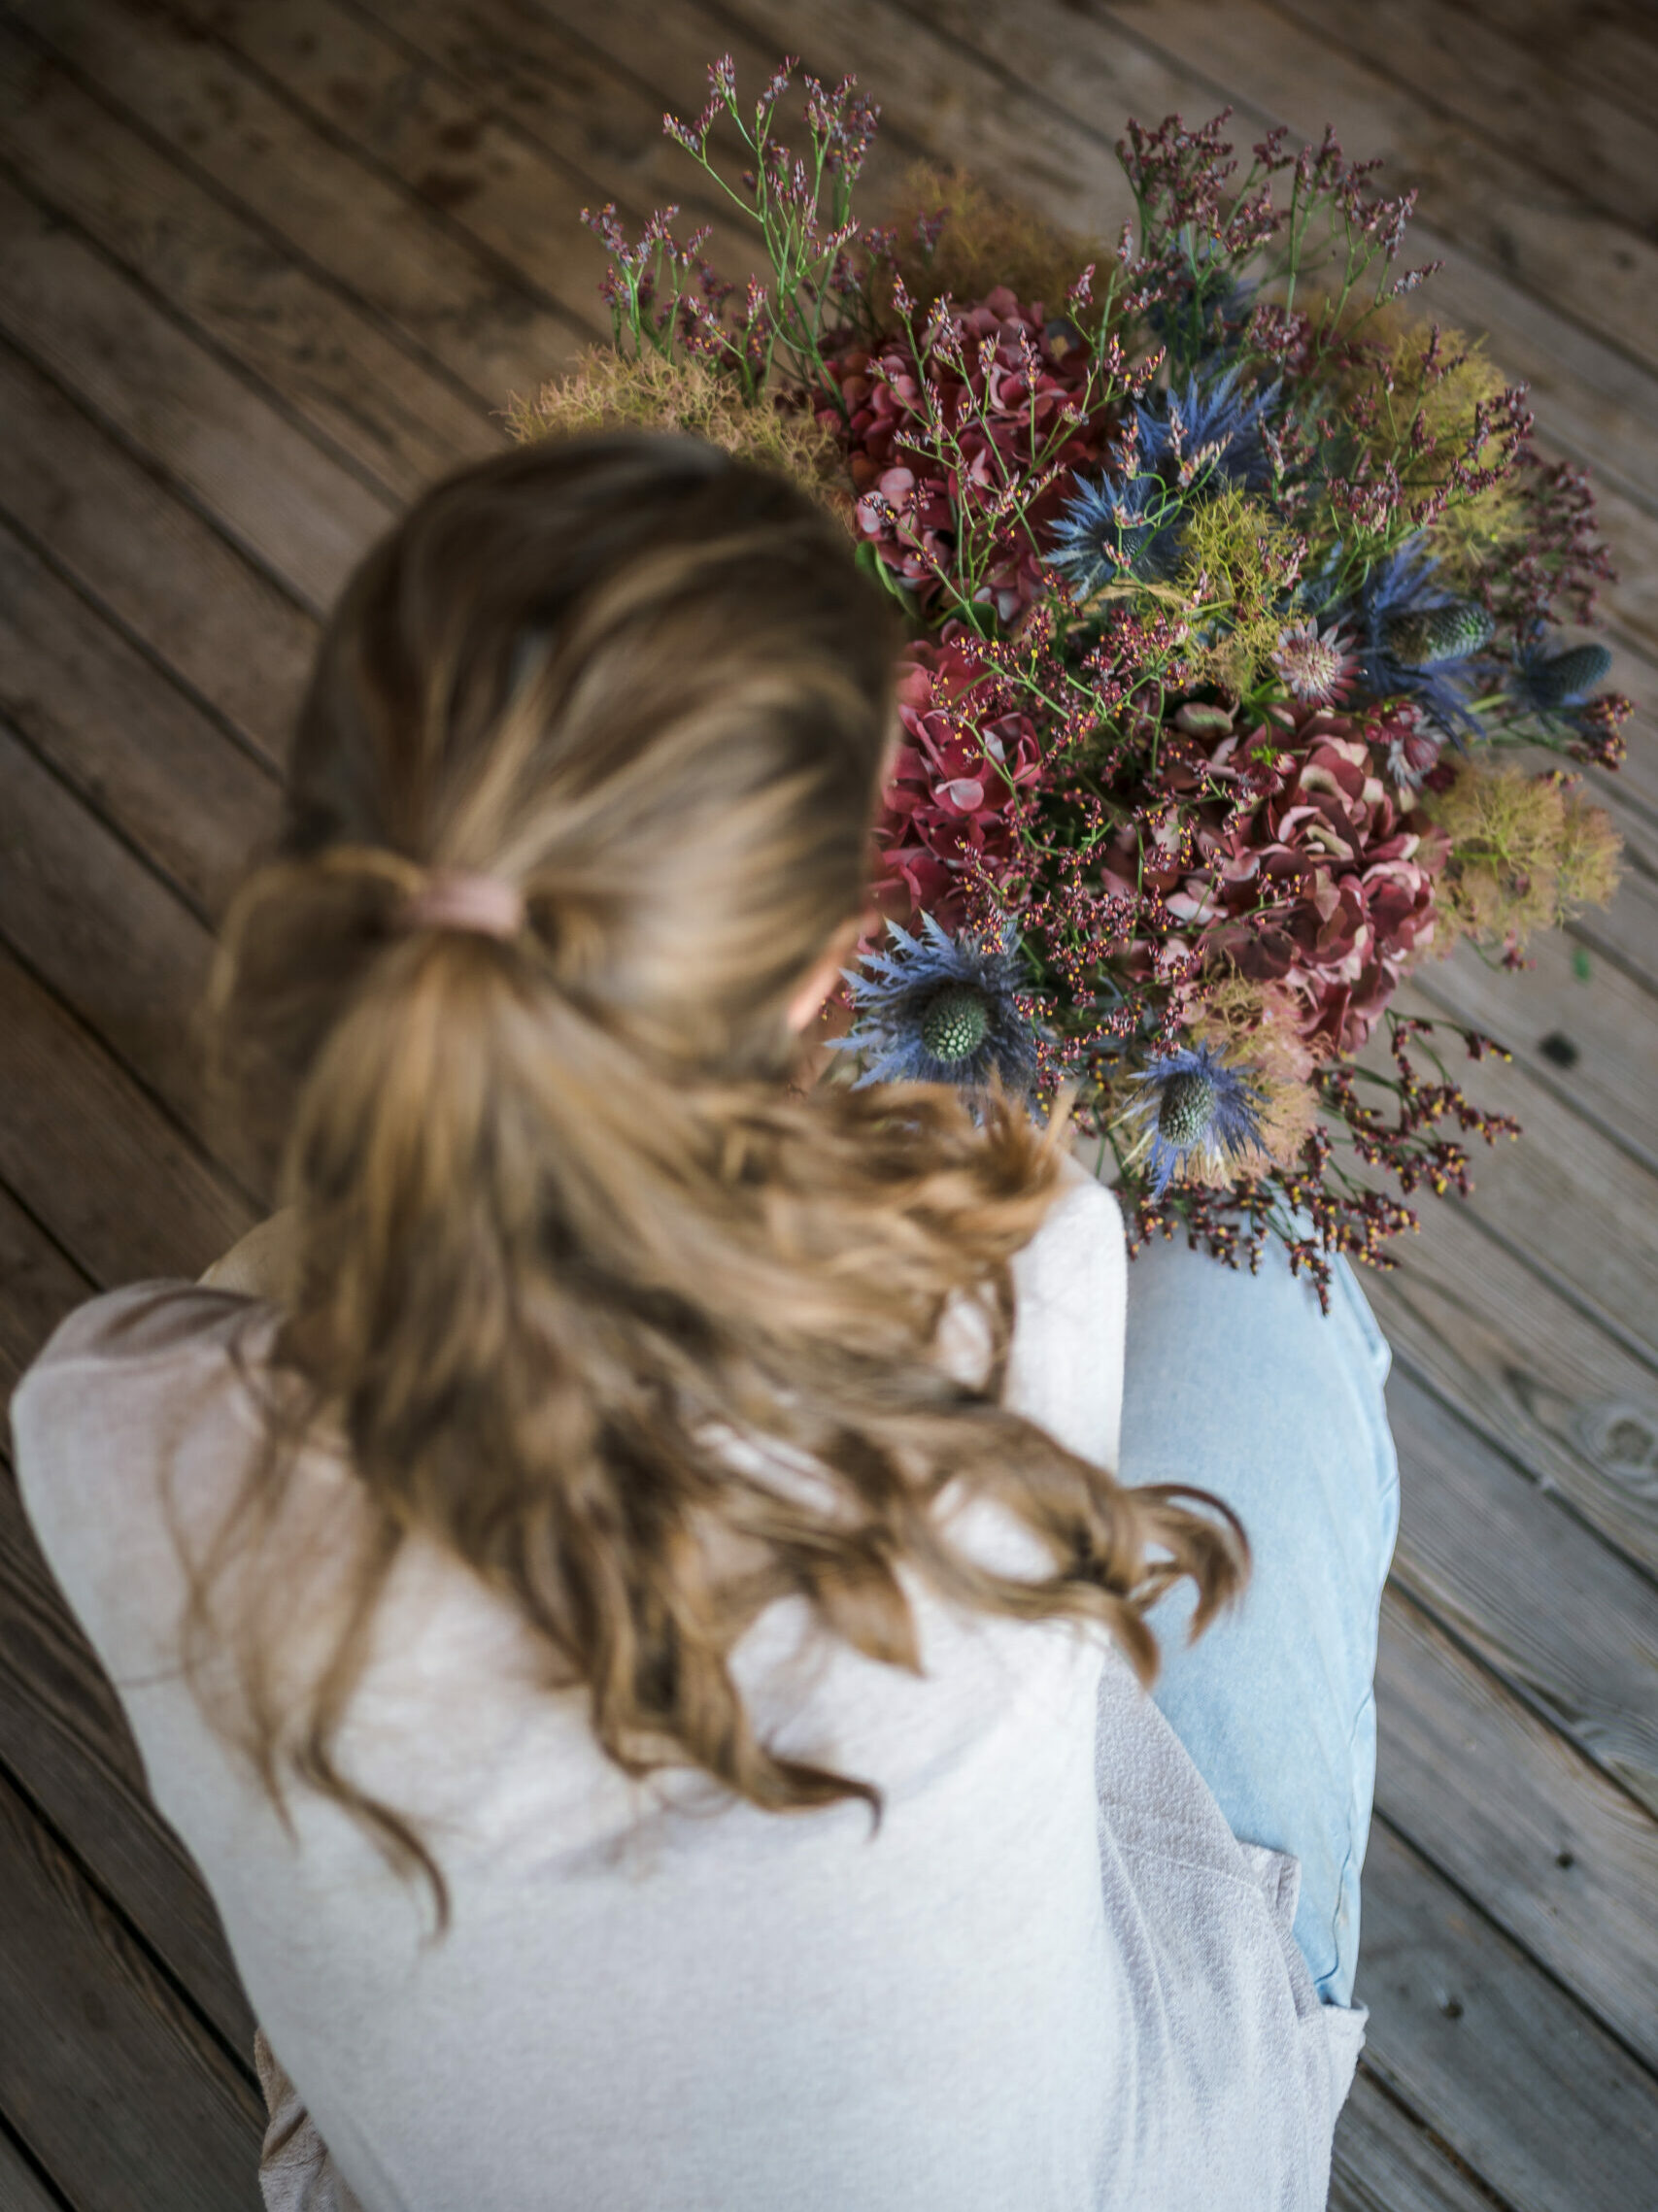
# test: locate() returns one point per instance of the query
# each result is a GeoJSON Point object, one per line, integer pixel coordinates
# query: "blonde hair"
{"type": "Point", "coordinates": [562, 1220]}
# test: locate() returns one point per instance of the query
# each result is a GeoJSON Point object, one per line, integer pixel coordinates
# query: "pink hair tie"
{"type": "Point", "coordinates": [454, 898]}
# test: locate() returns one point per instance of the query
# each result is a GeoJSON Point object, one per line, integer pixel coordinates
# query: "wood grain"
{"type": "Point", "coordinates": [1607, 46]}
{"type": "Point", "coordinates": [1552, 1610]}
{"type": "Point", "coordinates": [103, 2033]}
{"type": "Point", "coordinates": [298, 512]}
{"type": "Point", "coordinates": [108, 722]}
{"type": "Point", "coordinates": [22, 2189]}
{"type": "Point", "coordinates": [1561, 1197]}
{"type": "Point", "coordinates": [38, 1287]}
{"type": "Point", "coordinates": [121, 1189]}
{"type": "Point", "coordinates": [1530, 1371]}
{"type": "Point", "coordinates": [1384, 2161]}
{"type": "Point", "coordinates": [1565, 124]}
{"type": "Point", "coordinates": [1553, 1852]}
{"type": "Point", "coordinates": [1546, 2107]}
{"type": "Point", "coordinates": [1583, 1029]}
{"type": "Point", "coordinates": [343, 373]}
{"type": "Point", "coordinates": [474, 164]}
{"type": "Point", "coordinates": [111, 940]}
{"type": "Point", "coordinates": [463, 312]}
{"type": "Point", "coordinates": [168, 576]}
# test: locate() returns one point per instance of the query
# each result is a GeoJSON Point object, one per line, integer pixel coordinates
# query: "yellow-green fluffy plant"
{"type": "Point", "coordinates": [984, 243]}
{"type": "Point", "coordinates": [1408, 375]}
{"type": "Point", "coordinates": [1236, 558]}
{"type": "Point", "coordinates": [1527, 852]}
{"type": "Point", "coordinates": [605, 391]}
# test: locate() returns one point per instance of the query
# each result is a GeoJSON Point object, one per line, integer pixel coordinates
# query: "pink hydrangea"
{"type": "Point", "coordinates": [1315, 871]}
{"type": "Point", "coordinates": [1000, 392]}
{"type": "Point", "coordinates": [951, 800]}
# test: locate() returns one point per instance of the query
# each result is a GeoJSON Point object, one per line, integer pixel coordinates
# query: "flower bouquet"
{"type": "Point", "coordinates": [1232, 683]}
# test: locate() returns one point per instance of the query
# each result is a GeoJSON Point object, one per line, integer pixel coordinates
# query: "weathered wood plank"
{"type": "Point", "coordinates": [22, 2189]}
{"type": "Point", "coordinates": [1445, 62]}
{"type": "Point", "coordinates": [63, 1736]}
{"type": "Point", "coordinates": [1548, 2110]}
{"type": "Point", "coordinates": [1530, 1371]}
{"type": "Point", "coordinates": [461, 308]}
{"type": "Point", "coordinates": [115, 943]}
{"type": "Point", "coordinates": [525, 77]}
{"type": "Point", "coordinates": [1553, 1852]}
{"type": "Point", "coordinates": [1608, 46]}
{"type": "Point", "coordinates": [38, 1287]}
{"type": "Point", "coordinates": [297, 512]}
{"type": "Point", "coordinates": [554, 84]}
{"type": "Point", "coordinates": [342, 372]}
{"type": "Point", "coordinates": [91, 2027]}
{"type": "Point", "coordinates": [121, 1189]}
{"type": "Point", "coordinates": [167, 575]}
{"type": "Point", "coordinates": [520, 198]}
{"type": "Point", "coordinates": [1382, 2162]}
{"type": "Point", "coordinates": [1580, 1027]}
{"type": "Point", "coordinates": [90, 704]}
{"type": "Point", "coordinates": [1549, 1607]}
{"type": "Point", "coordinates": [1562, 1196]}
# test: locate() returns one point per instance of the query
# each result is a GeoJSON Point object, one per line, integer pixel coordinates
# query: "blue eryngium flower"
{"type": "Point", "coordinates": [1216, 417]}
{"type": "Point", "coordinates": [1554, 685]}
{"type": "Point", "coordinates": [1419, 641]}
{"type": "Point", "coordinates": [940, 1009]}
{"type": "Point", "coordinates": [1113, 532]}
{"type": "Point", "coordinates": [1190, 1106]}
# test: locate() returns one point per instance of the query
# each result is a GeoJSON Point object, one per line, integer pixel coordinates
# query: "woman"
{"type": "Point", "coordinates": [623, 1589]}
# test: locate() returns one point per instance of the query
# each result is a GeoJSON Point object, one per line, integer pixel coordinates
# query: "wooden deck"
{"type": "Point", "coordinates": [266, 267]}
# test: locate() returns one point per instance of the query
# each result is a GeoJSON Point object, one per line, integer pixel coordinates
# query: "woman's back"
{"type": "Point", "coordinates": [1051, 1978]}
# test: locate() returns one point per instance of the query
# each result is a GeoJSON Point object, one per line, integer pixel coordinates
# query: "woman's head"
{"type": "Point", "coordinates": [561, 1223]}
{"type": "Point", "coordinates": [644, 684]}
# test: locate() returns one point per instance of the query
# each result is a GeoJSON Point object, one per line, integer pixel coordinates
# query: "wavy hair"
{"type": "Point", "coordinates": [562, 1221]}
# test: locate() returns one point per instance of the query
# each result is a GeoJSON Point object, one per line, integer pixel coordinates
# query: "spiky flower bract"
{"type": "Point", "coordinates": [1319, 666]}
{"type": "Point", "coordinates": [1192, 1113]}
{"type": "Point", "coordinates": [1419, 641]}
{"type": "Point", "coordinates": [1113, 532]}
{"type": "Point", "coordinates": [1210, 428]}
{"type": "Point", "coordinates": [941, 1009]}
{"type": "Point", "coordinates": [1557, 687]}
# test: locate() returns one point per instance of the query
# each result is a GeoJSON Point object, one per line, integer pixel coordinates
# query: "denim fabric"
{"type": "Point", "coordinates": [1237, 1384]}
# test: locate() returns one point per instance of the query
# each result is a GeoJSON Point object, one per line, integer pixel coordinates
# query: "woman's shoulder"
{"type": "Point", "coordinates": [139, 1324]}
{"type": "Point", "coordinates": [117, 1383]}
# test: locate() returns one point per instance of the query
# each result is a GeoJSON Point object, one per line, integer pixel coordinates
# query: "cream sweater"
{"type": "Point", "coordinates": [1052, 1981]}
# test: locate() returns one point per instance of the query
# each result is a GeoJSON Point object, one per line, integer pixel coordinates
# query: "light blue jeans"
{"type": "Point", "coordinates": [1237, 1384]}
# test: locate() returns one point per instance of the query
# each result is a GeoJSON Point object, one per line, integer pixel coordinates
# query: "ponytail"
{"type": "Point", "coordinates": [561, 1223]}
